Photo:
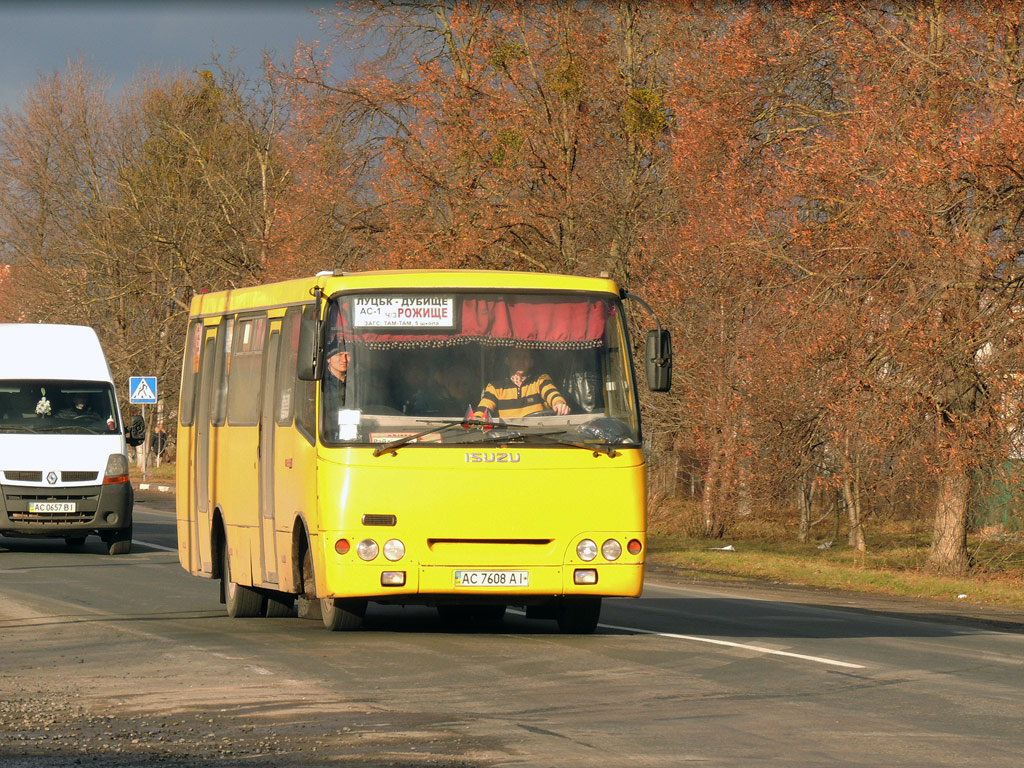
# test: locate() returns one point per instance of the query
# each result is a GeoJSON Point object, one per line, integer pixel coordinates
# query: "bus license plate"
{"type": "Point", "coordinates": [492, 578]}
{"type": "Point", "coordinates": [52, 507]}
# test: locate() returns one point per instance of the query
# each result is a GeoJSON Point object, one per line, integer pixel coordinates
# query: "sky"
{"type": "Point", "coordinates": [118, 39]}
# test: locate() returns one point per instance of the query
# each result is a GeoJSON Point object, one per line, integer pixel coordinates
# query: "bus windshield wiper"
{"type": "Point", "coordinates": [547, 438]}
{"type": "Point", "coordinates": [394, 445]}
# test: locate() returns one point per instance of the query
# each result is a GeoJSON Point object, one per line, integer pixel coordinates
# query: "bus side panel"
{"type": "Point", "coordinates": [235, 490]}
{"type": "Point", "coordinates": [183, 500]}
{"type": "Point", "coordinates": [294, 497]}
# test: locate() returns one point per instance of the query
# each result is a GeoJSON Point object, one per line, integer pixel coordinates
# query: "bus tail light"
{"type": "Point", "coordinates": [342, 546]}
{"type": "Point", "coordinates": [634, 547]}
{"type": "Point", "coordinates": [392, 579]}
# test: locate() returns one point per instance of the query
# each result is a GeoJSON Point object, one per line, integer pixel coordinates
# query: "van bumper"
{"type": "Point", "coordinates": [74, 510]}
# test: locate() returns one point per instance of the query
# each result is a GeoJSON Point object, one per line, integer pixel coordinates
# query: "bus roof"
{"type": "Point", "coordinates": [55, 352]}
{"type": "Point", "coordinates": [300, 291]}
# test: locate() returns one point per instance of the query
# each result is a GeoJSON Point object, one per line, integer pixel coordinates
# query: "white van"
{"type": "Point", "coordinates": [63, 458]}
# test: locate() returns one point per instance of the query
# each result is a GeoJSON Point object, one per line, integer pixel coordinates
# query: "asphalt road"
{"type": "Point", "coordinates": [129, 661]}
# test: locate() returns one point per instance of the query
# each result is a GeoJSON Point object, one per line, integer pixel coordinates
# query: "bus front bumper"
{"type": "Point", "coordinates": [409, 582]}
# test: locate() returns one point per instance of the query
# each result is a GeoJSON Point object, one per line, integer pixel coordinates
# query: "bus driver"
{"type": "Point", "coordinates": [522, 393]}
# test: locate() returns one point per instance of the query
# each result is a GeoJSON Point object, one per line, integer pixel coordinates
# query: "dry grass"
{"type": "Point", "coordinates": [768, 551]}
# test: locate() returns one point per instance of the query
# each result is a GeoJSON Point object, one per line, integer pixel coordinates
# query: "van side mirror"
{"type": "Point", "coordinates": [135, 431]}
{"type": "Point", "coordinates": [308, 363]}
{"type": "Point", "coordinates": [659, 361]}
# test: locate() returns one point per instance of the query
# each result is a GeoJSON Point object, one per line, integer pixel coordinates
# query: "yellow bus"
{"type": "Point", "coordinates": [362, 437]}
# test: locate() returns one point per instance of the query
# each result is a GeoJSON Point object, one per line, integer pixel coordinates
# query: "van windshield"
{"type": "Point", "coordinates": [548, 366]}
{"type": "Point", "coordinates": [67, 407]}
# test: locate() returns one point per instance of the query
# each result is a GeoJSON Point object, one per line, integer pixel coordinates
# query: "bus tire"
{"type": "Point", "coordinates": [278, 605]}
{"type": "Point", "coordinates": [342, 615]}
{"type": "Point", "coordinates": [579, 615]}
{"type": "Point", "coordinates": [242, 602]}
{"type": "Point", "coordinates": [119, 542]}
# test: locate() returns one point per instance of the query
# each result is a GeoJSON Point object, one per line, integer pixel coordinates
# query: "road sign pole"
{"type": "Point", "coordinates": [145, 449]}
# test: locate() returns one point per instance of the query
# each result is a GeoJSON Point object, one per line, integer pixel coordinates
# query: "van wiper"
{"type": "Point", "coordinates": [20, 428]}
{"type": "Point", "coordinates": [394, 445]}
{"type": "Point", "coordinates": [546, 438]}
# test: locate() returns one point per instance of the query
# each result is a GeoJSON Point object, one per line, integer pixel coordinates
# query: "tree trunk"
{"type": "Point", "coordinates": [948, 555]}
{"type": "Point", "coordinates": [804, 496]}
{"type": "Point", "coordinates": [851, 495]}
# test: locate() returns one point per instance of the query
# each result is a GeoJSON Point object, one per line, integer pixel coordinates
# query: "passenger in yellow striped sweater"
{"type": "Point", "coordinates": [522, 393]}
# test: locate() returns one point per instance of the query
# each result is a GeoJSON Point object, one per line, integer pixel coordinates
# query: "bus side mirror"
{"type": "Point", "coordinates": [135, 431]}
{"type": "Point", "coordinates": [659, 361]}
{"type": "Point", "coordinates": [307, 365]}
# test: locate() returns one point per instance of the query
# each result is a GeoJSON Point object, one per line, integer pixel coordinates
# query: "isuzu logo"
{"type": "Point", "coordinates": [51, 478]}
{"type": "Point", "coordinates": [492, 457]}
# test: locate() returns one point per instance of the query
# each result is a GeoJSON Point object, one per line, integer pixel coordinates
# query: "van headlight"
{"type": "Point", "coordinates": [117, 469]}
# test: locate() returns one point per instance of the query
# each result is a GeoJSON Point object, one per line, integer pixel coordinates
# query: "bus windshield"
{"type": "Point", "coordinates": [68, 407]}
{"type": "Point", "coordinates": [551, 365]}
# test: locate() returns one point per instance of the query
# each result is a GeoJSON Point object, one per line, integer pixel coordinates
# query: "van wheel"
{"type": "Point", "coordinates": [579, 615]}
{"type": "Point", "coordinates": [342, 615]}
{"type": "Point", "coordinates": [278, 605]}
{"type": "Point", "coordinates": [74, 542]}
{"type": "Point", "coordinates": [119, 542]}
{"type": "Point", "coordinates": [242, 602]}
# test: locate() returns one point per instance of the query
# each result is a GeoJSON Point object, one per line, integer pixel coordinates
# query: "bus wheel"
{"type": "Point", "coordinates": [278, 605]}
{"type": "Point", "coordinates": [579, 615]}
{"type": "Point", "coordinates": [242, 602]}
{"type": "Point", "coordinates": [342, 615]}
{"type": "Point", "coordinates": [119, 542]}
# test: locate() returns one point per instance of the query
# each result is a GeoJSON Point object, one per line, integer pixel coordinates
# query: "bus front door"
{"type": "Point", "coordinates": [201, 543]}
{"type": "Point", "coordinates": [267, 451]}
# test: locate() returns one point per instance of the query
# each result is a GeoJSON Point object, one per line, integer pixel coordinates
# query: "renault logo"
{"type": "Point", "coordinates": [51, 478]}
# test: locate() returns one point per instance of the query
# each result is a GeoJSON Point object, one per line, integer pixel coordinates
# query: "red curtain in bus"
{"type": "Point", "coordinates": [530, 321]}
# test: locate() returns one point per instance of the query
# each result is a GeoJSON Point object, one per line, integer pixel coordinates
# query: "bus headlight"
{"type": "Point", "coordinates": [367, 549]}
{"type": "Point", "coordinates": [611, 549]}
{"type": "Point", "coordinates": [394, 550]}
{"type": "Point", "coordinates": [587, 550]}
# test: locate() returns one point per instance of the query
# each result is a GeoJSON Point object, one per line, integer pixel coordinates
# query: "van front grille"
{"type": "Point", "coordinates": [23, 477]}
{"type": "Point", "coordinates": [78, 477]}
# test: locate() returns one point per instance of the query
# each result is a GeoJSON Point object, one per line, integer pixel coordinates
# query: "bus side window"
{"type": "Point", "coordinates": [189, 373]}
{"type": "Point", "coordinates": [246, 370]}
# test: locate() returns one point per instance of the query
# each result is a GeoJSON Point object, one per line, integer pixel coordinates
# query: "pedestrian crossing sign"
{"type": "Point", "coordinates": [142, 389]}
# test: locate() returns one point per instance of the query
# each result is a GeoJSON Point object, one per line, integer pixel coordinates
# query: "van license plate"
{"type": "Point", "coordinates": [52, 507]}
{"type": "Point", "coordinates": [492, 578]}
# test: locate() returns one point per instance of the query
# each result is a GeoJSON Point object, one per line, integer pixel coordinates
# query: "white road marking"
{"type": "Point", "coordinates": [153, 546]}
{"type": "Point", "coordinates": [742, 646]}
